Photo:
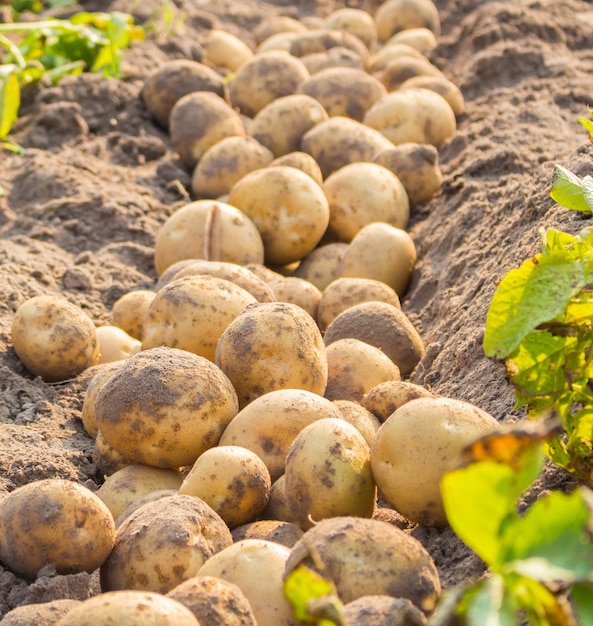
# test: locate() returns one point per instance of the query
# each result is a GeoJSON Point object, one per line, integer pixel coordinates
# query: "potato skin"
{"type": "Point", "coordinates": [46, 613]}
{"type": "Point", "coordinates": [394, 16]}
{"type": "Point", "coordinates": [54, 521]}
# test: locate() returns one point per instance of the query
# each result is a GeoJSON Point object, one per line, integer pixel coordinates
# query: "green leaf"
{"type": "Point", "coordinates": [10, 98]}
{"type": "Point", "coordinates": [572, 192]}
{"type": "Point", "coordinates": [582, 599]}
{"type": "Point", "coordinates": [487, 605]}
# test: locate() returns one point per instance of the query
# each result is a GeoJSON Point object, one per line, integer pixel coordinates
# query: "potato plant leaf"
{"type": "Point", "coordinates": [582, 599]}
{"type": "Point", "coordinates": [10, 98]}
{"type": "Point", "coordinates": [572, 192]}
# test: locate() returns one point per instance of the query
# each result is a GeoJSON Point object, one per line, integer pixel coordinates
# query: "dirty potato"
{"type": "Point", "coordinates": [322, 266]}
{"type": "Point", "coordinates": [128, 311]}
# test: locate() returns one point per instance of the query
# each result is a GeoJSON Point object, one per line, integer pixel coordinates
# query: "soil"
{"type": "Point", "coordinates": [81, 206]}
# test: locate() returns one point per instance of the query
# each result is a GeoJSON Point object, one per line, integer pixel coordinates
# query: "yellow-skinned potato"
{"type": "Point", "coordinates": [397, 71]}
{"type": "Point", "coordinates": [420, 38]}
{"type": "Point", "coordinates": [209, 230]}
{"type": "Point", "coordinates": [361, 193]}
{"type": "Point", "coordinates": [302, 161]}
{"type": "Point", "coordinates": [386, 397]}
{"type": "Point", "coordinates": [128, 311]}
{"type": "Point", "coordinates": [233, 480]}
{"type": "Point", "coordinates": [46, 613]}
{"type": "Point", "coordinates": [115, 344]}
{"type": "Point", "coordinates": [288, 208]}
{"type": "Point", "coordinates": [269, 75]}
{"type": "Point", "coordinates": [384, 326]}
{"type": "Point", "coordinates": [394, 16]}
{"type": "Point", "coordinates": [362, 419]}
{"type": "Point", "coordinates": [54, 338]}
{"type": "Point", "coordinates": [225, 50]}
{"type": "Point", "coordinates": [328, 473]}
{"type": "Point", "coordinates": [297, 291]}
{"type": "Point", "coordinates": [417, 166]}
{"type": "Point", "coordinates": [129, 608]}
{"type": "Point", "coordinates": [107, 459]}
{"type": "Point", "coordinates": [133, 482]}
{"type": "Point", "coordinates": [225, 163]}
{"type": "Point", "coordinates": [103, 373]}
{"type": "Point", "coordinates": [356, 22]}
{"type": "Point", "coordinates": [343, 293]}
{"type": "Point", "coordinates": [383, 610]}
{"type": "Point", "coordinates": [54, 522]}
{"type": "Point", "coordinates": [323, 39]}
{"type": "Point", "coordinates": [175, 79]}
{"type": "Point", "coordinates": [164, 407]}
{"type": "Point", "coordinates": [163, 543]}
{"type": "Point", "coordinates": [322, 265]}
{"type": "Point", "coordinates": [381, 252]}
{"type": "Point", "coordinates": [279, 42]}
{"type": "Point", "coordinates": [284, 533]}
{"type": "Point", "coordinates": [192, 312]}
{"type": "Point", "coordinates": [414, 448]}
{"type": "Point", "coordinates": [392, 52]}
{"type": "Point", "coordinates": [413, 115]}
{"type": "Point", "coordinates": [136, 504]}
{"type": "Point", "coordinates": [334, 57]}
{"type": "Point", "coordinates": [278, 508]}
{"type": "Point", "coordinates": [441, 85]}
{"type": "Point", "coordinates": [197, 121]}
{"type": "Point", "coordinates": [355, 367]}
{"type": "Point", "coordinates": [277, 24]}
{"type": "Point", "coordinates": [281, 124]}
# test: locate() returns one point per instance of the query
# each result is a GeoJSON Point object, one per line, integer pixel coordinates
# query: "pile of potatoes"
{"type": "Point", "coordinates": [251, 413]}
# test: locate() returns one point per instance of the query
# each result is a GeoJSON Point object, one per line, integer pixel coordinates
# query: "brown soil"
{"type": "Point", "coordinates": [81, 207]}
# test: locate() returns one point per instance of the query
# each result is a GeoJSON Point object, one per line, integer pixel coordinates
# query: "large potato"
{"type": "Point", "coordinates": [164, 407]}
{"type": "Point", "coordinates": [225, 50]}
{"type": "Point", "coordinates": [394, 16]}
{"type": "Point", "coordinates": [54, 522]}
{"type": "Point", "coordinates": [414, 448]}
{"type": "Point", "coordinates": [288, 208]}
{"type": "Point", "coordinates": [54, 338]}
{"type": "Point", "coordinates": [163, 543]}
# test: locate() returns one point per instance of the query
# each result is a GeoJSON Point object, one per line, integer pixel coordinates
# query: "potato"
{"type": "Point", "coordinates": [420, 38]}
{"type": "Point", "coordinates": [288, 208]}
{"type": "Point", "coordinates": [162, 544]}
{"type": "Point", "coordinates": [175, 79]}
{"type": "Point", "coordinates": [365, 556]}
{"type": "Point", "coordinates": [343, 293]}
{"type": "Point", "coordinates": [414, 448]}
{"type": "Point", "coordinates": [54, 338]}
{"type": "Point", "coordinates": [266, 274]}
{"type": "Point", "coordinates": [417, 166]}
{"type": "Point", "coordinates": [302, 161]}
{"type": "Point", "coordinates": [103, 373]}
{"type": "Point", "coordinates": [128, 311]}
{"type": "Point", "coordinates": [441, 85]}
{"type": "Point", "coordinates": [278, 508]}
{"type": "Point", "coordinates": [197, 121]}
{"type": "Point", "coordinates": [281, 124]}
{"type": "Point", "coordinates": [356, 22]}
{"type": "Point", "coordinates": [129, 608]}
{"type": "Point", "coordinates": [322, 266]}
{"type": "Point", "coordinates": [269, 424]}
{"type": "Point", "coordinates": [394, 16]}
{"type": "Point", "coordinates": [382, 611]}
{"type": "Point", "coordinates": [341, 140]}
{"type": "Point", "coordinates": [297, 291]}
{"type": "Point", "coordinates": [225, 163]}
{"type": "Point", "coordinates": [269, 75]}
{"type": "Point", "coordinates": [381, 252]}
{"type": "Point", "coordinates": [355, 367]}
{"type": "Point", "coordinates": [133, 482]}
{"type": "Point", "coordinates": [361, 193]}
{"type": "Point", "coordinates": [54, 522]}
{"type": "Point", "coordinates": [279, 41]}
{"type": "Point", "coordinates": [276, 24]}
{"type": "Point", "coordinates": [413, 115]}
{"type": "Point", "coordinates": [334, 57]}
{"type": "Point", "coordinates": [384, 326]}
{"type": "Point", "coordinates": [284, 533]}
{"type": "Point", "coordinates": [362, 419]}
{"type": "Point", "coordinates": [115, 344]}
{"type": "Point", "coordinates": [225, 50]}
{"type": "Point", "coordinates": [164, 407]}
{"type": "Point", "coordinates": [192, 312]}
{"type": "Point", "coordinates": [344, 91]}
{"type": "Point", "coordinates": [233, 480]}
{"type": "Point", "coordinates": [210, 230]}
{"type": "Point", "coordinates": [328, 473]}
{"type": "Point", "coordinates": [323, 39]}
{"type": "Point", "coordinates": [106, 458]}
{"type": "Point", "coordinates": [46, 613]}
{"type": "Point", "coordinates": [386, 397]}
{"type": "Point", "coordinates": [256, 567]}
{"type": "Point", "coordinates": [398, 70]}
{"type": "Point", "coordinates": [214, 601]}
{"type": "Point", "coordinates": [392, 52]}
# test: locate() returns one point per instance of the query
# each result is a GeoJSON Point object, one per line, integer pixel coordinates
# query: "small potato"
{"type": "Point", "coordinates": [420, 38]}
{"type": "Point", "coordinates": [210, 230]}
{"type": "Point", "coordinates": [386, 397]}
{"type": "Point", "coordinates": [328, 473]}
{"type": "Point", "coordinates": [381, 252]}
{"type": "Point", "coordinates": [175, 79]}
{"type": "Point", "coordinates": [46, 613]}
{"type": "Point", "coordinates": [162, 544]}
{"type": "Point", "coordinates": [363, 420]}
{"type": "Point", "coordinates": [269, 75]}
{"type": "Point", "coordinates": [344, 91]}
{"type": "Point", "coordinates": [54, 522]}
{"type": "Point", "coordinates": [394, 16]}
{"type": "Point", "coordinates": [129, 608]}
{"type": "Point", "coordinates": [225, 163]}
{"type": "Point", "coordinates": [413, 115]}
{"type": "Point", "coordinates": [103, 373]}
{"type": "Point", "coordinates": [417, 166]}
{"type": "Point", "coordinates": [364, 557]}
{"type": "Point", "coordinates": [392, 52]}
{"type": "Point", "coordinates": [288, 208]}
{"type": "Point", "coordinates": [297, 291]}
{"type": "Point", "coordinates": [361, 193]}
{"type": "Point", "coordinates": [225, 50]}
{"type": "Point", "coordinates": [115, 344]}
{"type": "Point", "coordinates": [279, 42]}
{"type": "Point", "coordinates": [334, 57]}
{"type": "Point", "coordinates": [398, 70]}
{"type": "Point", "coordinates": [322, 266]}
{"type": "Point", "coordinates": [384, 326]}
{"type": "Point", "coordinates": [233, 480]}
{"type": "Point", "coordinates": [323, 39]}
{"type": "Point", "coordinates": [356, 22]}
{"type": "Point", "coordinates": [414, 448]}
{"type": "Point", "coordinates": [128, 311]}
{"type": "Point", "coordinates": [133, 482]}
{"type": "Point", "coordinates": [197, 121]}
{"type": "Point", "coordinates": [354, 368]}
{"type": "Point", "coordinates": [281, 124]}
{"type": "Point", "coordinates": [382, 611]}
{"type": "Point", "coordinates": [343, 293]}
{"type": "Point", "coordinates": [164, 407]}
{"type": "Point", "coordinates": [269, 424]}
{"type": "Point", "coordinates": [192, 312]}
{"type": "Point", "coordinates": [284, 533]}
{"type": "Point", "coordinates": [302, 161]}
{"type": "Point", "coordinates": [54, 338]}
{"type": "Point", "coordinates": [277, 24]}
{"type": "Point", "coordinates": [441, 85]}
{"type": "Point", "coordinates": [214, 601]}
